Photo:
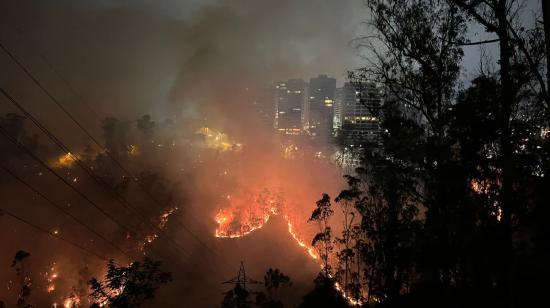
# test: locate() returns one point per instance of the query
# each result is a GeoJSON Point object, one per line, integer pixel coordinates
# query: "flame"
{"type": "Point", "coordinates": [163, 219]}
{"type": "Point", "coordinates": [310, 250]}
{"type": "Point", "coordinates": [244, 216]}
{"type": "Point", "coordinates": [71, 301]}
{"type": "Point", "coordinates": [65, 161]}
{"type": "Point", "coordinates": [161, 225]}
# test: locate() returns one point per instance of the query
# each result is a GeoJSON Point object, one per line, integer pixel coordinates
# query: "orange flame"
{"type": "Point", "coordinates": [242, 218]}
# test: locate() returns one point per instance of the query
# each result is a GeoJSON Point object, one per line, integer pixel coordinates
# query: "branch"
{"type": "Point", "coordinates": [470, 8]}
{"type": "Point", "coordinates": [478, 43]}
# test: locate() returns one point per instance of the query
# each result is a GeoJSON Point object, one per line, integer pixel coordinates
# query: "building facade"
{"type": "Point", "coordinates": [320, 108]}
{"type": "Point", "coordinates": [358, 110]}
{"type": "Point", "coordinates": [290, 106]}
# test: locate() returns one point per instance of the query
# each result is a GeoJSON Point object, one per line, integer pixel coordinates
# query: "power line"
{"type": "Point", "coordinates": [62, 209]}
{"type": "Point", "coordinates": [98, 144]}
{"type": "Point", "coordinates": [122, 200]}
{"type": "Point", "coordinates": [4, 211]}
{"type": "Point", "coordinates": [59, 75]}
{"type": "Point", "coordinates": [43, 164]}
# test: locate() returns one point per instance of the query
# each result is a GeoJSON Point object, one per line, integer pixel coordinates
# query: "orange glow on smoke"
{"type": "Point", "coordinates": [245, 215]}
{"type": "Point", "coordinates": [217, 140]}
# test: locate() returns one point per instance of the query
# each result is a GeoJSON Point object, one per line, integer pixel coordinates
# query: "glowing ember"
{"type": "Point", "coordinates": [50, 277]}
{"type": "Point", "coordinates": [289, 151]}
{"type": "Point", "coordinates": [163, 219]}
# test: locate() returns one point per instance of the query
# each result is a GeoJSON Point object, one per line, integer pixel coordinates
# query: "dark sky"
{"type": "Point", "coordinates": [148, 56]}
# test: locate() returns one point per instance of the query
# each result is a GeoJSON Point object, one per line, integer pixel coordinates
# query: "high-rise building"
{"type": "Point", "coordinates": [359, 106]}
{"type": "Point", "coordinates": [261, 102]}
{"type": "Point", "coordinates": [321, 104]}
{"type": "Point", "coordinates": [337, 109]}
{"type": "Point", "coordinates": [290, 106]}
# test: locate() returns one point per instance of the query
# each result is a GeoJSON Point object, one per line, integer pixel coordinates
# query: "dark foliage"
{"type": "Point", "coordinates": [129, 286]}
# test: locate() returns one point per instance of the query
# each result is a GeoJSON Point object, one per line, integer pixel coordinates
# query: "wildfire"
{"type": "Point", "coordinates": [217, 140]}
{"type": "Point", "coordinates": [309, 249]}
{"type": "Point", "coordinates": [351, 301]}
{"type": "Point", "coordinates": [244, 216]}
{"type": "Point", "coordinates": [65, 161]}
{"type": "Point", "coordinates": [289, 151]}
{"type": "Point", "coordinates": [50, 277]}
{"type": "Point", "coordinates": [162, 221]}
{"type": "Point", "coordinates": [72, 301]}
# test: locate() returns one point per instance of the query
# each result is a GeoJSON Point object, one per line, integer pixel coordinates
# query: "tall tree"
{"type": "Point", "coordinates": [129, 286]}
{"type": "Point", "coordinates": [322, 241]}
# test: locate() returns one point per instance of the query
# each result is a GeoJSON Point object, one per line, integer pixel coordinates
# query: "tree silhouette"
{"type": "Point", "coordinates": [324, 295]}
{"type": "Point", "coordinates": [322, 241]}
{"type": "Point", "coordinates": [451, 198]}
{"type": "Point", "coordinates": [129, 286]}
{"type": "Point", "coordinates": [24, 279]}
{"type": "Point", "coordinates": [238, 297]}
{"type": "Point", "coordinates": [273, 281]}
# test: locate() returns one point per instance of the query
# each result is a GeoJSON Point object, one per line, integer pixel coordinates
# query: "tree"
{"type": "Point", "coordinates": [115, 134]}
{"type": "Point", "coordinates": [324, 295]}
{"type": "Point", "coordinates": [413, 53]}
{"type": "Point", "coordinates": [347, 200]}
{"type": "Point", "coordinates": [523, 99]}
{"type": "Point", "coordinates": [238, 297]}
{"type": "Point", "coordinates": [274, 280]}
{"type": "Point", "coordinates": [146, 125]}
{"type": "Point", "coordinates": [129, 286]}
{"type": "Point", "coordinates": [322, 241]}
{"type": "Point", "coordinates": [24, 280]}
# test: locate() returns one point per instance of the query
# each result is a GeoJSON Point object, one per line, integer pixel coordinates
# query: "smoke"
{"type": "Point", "coordinates": [135, 57]}
{"type": "Point", "coordinates": [198, 63]}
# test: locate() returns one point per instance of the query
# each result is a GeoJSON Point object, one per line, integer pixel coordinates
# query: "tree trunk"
{"type": "Point", "coordinates": [507, 101]}
{"type": "Point", "coordinates": [546, 21]}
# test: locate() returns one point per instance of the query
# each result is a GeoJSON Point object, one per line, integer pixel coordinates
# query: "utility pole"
{"type": "Point", "coordinates": [239, 295]}
{"type": "Point", "coordinates": [241, 280]}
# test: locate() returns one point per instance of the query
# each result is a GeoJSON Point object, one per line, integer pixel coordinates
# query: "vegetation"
{"type": "Point", "coordinates": [128, 286]}
{"type": "Point", "coordinates": [242, 297]}
{"type": "Point", "coordinates": [446, 207]}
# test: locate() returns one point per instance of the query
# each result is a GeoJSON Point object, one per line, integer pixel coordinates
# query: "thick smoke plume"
{"type": "Point", "coordinates": [189, 64]}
